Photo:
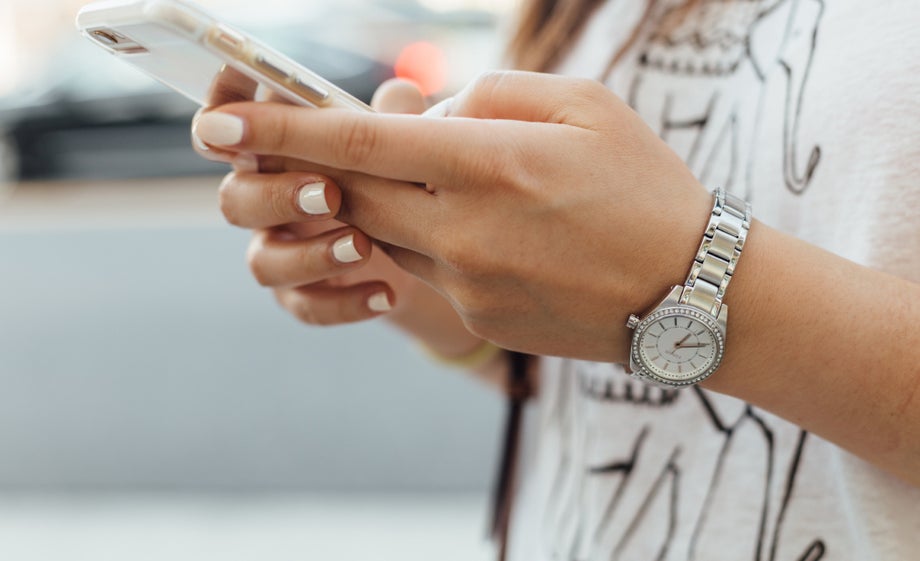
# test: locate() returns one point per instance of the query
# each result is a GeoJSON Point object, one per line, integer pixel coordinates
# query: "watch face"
{"type": "Point", "coordinates": [678, 345]}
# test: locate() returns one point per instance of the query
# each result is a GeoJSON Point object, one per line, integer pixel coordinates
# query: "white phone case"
{"type": "Point", "coordinates": [182, 46]}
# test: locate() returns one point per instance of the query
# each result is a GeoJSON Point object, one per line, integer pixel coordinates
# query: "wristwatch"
{"type": "Point", "coordinates": [680, 342]}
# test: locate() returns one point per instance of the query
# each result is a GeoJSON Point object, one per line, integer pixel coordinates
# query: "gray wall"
{"type": "Point", "coordinates": [148, 359]}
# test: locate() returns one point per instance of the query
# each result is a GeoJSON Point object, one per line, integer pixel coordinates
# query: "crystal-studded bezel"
{"type": "Point", "coordinates": [655, 374]}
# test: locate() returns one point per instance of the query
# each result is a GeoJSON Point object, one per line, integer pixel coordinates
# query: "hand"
{"type": "Point", "coordinates": [551, 211]}
{"type": "Point", "coordinates": [321, 270]}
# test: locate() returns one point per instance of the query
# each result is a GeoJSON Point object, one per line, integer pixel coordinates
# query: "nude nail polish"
{"type": "Point", "coordinates": [312, 198]}
{"type": "Point", "coordinates": [219, 129]}
{"type": "Point", "coordinates": [344, 250]}
{"type": "Point", "coordinates": [198, 143]}
{"type": "Point", "coordinates": [379, 302]}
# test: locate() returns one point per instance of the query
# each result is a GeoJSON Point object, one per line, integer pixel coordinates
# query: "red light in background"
{"type": "Point", "coordinates": [423, 63]}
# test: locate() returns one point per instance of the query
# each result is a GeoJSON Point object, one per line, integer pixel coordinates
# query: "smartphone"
{"type": "Point", "coordinates": [210, 62]}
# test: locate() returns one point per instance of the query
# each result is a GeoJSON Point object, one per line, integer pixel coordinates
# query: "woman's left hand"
{"type": "Point", "coordinates": [551, 213]}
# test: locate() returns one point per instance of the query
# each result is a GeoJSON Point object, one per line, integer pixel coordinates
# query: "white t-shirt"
{"type": "Point", "coordinates": [810, 109]}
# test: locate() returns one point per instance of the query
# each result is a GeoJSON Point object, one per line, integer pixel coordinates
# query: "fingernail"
{"type": "Point", "coordinates": [379, 302]}
{"type": "Point", "coordinates": [219, 129]}
{"type": "Point", "coordinates": [198, 143]}
{"type": "Point", "coordinates": [344, 250]}
{"type": "Point", "coordinates": [312, 199]}
{"type": "Point", "coordinates": [246, 163]}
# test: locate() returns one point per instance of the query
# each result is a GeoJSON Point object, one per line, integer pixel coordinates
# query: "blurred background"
{"type": "Point", "coordinates": [154, 401]}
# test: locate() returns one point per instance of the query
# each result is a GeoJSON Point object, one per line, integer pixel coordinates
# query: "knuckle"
{"type": "Point", "coordinates": [320, 319]}
{"type": "Point", "coordinates": [259, 273]}
{"type": "Point", "coordinates": [257, 267]}
{"type": "Point", "coordinates": [357, 142]}
{"type": "Point", "coordinates": [277, 200]}
{"type": "Point", "coordinates": [590, 90]}
{"type": "Point", "coordinates": [586, 96]}
{"type": "Point", "coordinates": [486, 84]}
{"type": "Point", "coordinates": [305, 311]}
{"type": "Point", "coordinates": [496, 164]}
{"type": "Point", "coordinates": [280, 136]}
{"type": "Point", "coordinates": [346, 310]}
{"type": "Point", "coordinates": [226, 199]}
{"type": "Point", "coordinates": [306, 256]}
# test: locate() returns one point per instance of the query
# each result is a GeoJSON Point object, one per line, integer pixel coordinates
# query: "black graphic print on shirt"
{"type": "Point", "coordinates": [705, 73]}
{"type": "Point", "coordinates": [733, 469]}
{"type": "Point", "coordinates": [641, 489]}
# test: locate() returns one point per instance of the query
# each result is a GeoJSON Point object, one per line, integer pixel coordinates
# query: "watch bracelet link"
{"type": "Point", "coordinates": [718, 254]}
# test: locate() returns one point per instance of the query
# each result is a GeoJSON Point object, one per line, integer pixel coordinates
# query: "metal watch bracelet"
{"type": "Point", "coordinates": [690, 323]}
{"type": "Point", "coordinates": [718, 254]}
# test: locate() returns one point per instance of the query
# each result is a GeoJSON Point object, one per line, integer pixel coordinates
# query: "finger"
{"type": "Point", "coordinates": [213, 153]}
{"type": "Point", "coordinates": [440, 109]}
{"type": "Point", "coordinates": [228, 86]}
{"type": "Point", "coordinates": [280, 164]}
{"type": "Point", "coordinates": [278, 261]}
{"type": "Point", "coordinates": [406, 147]}
{"type": "Point", "coordinates": [231, 86]}
{"type": "Point", "coordinates": [374, 204]}
{"type": "Point", "coordinates": [266, 93]}
{"type": "Point", "coordinates": [306, 230]}
{"type": "Point", "coordinates": [416, 264]}
{"type": "Point", "coordinates": [263, 200]}
{"type": "Point", "coordinates": [241, 161]}
{"type": "Point", "coordinates": [390, 211]}
{"type": "Point", "coordinates": [398, 96]}
{"type": "Point", "coordinates": [327, 305]}
{"type": "Point", "coordinates": [530, 96]}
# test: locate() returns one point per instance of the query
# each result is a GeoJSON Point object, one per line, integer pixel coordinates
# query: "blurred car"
{"type": "Point", "coordinates": [91, 117]}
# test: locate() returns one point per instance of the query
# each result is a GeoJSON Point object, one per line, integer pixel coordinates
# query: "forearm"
{"type": "Point", "coordinates": [829, 345]}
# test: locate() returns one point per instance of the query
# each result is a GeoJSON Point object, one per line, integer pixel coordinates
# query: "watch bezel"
{"type": "Point", "coordinates": [710, 322]}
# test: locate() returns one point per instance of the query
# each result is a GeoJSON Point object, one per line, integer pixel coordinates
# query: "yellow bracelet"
{"type": "Point", "coordinates": [481, 355]}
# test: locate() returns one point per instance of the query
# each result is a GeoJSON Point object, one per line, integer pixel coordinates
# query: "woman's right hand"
{"type": "Point", "coordinates": [322, 271]}
{"type": "Point", "coordinates": [325, 272]}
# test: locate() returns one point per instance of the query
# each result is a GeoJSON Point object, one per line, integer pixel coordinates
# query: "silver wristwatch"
{"type": "Point", "coordinates": [681, 340]}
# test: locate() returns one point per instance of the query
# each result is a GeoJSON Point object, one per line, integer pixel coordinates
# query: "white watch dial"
{"type": "Point", "coordinates": [678, 346]}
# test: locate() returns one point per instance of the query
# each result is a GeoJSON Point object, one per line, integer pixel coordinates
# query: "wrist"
{"type": "Point", "coordinates": [681, 340]}
{"type": "Point", "coordinates": [747, 299]}
{"type": "Point", "coordinates": [476, 358]}
{"type": "Point", "coordinates": [673, 245]}
{"type": "Point", "coordinates": [423, 314]}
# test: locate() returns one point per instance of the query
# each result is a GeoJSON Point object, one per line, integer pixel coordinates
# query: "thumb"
{"type": "Point", "coordinates": [398, 96]}
{"type": "Point", "coordinates": [529, 96]}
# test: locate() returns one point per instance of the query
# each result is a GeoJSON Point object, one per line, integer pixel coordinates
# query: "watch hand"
{"type": "Point", "coordinates": [699, 346]}
{"type": "Point", "coordinates": [681, 342]}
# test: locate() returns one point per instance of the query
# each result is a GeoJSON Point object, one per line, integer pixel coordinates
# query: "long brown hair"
{"type": "Point", "coordinates": [546, 30]}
